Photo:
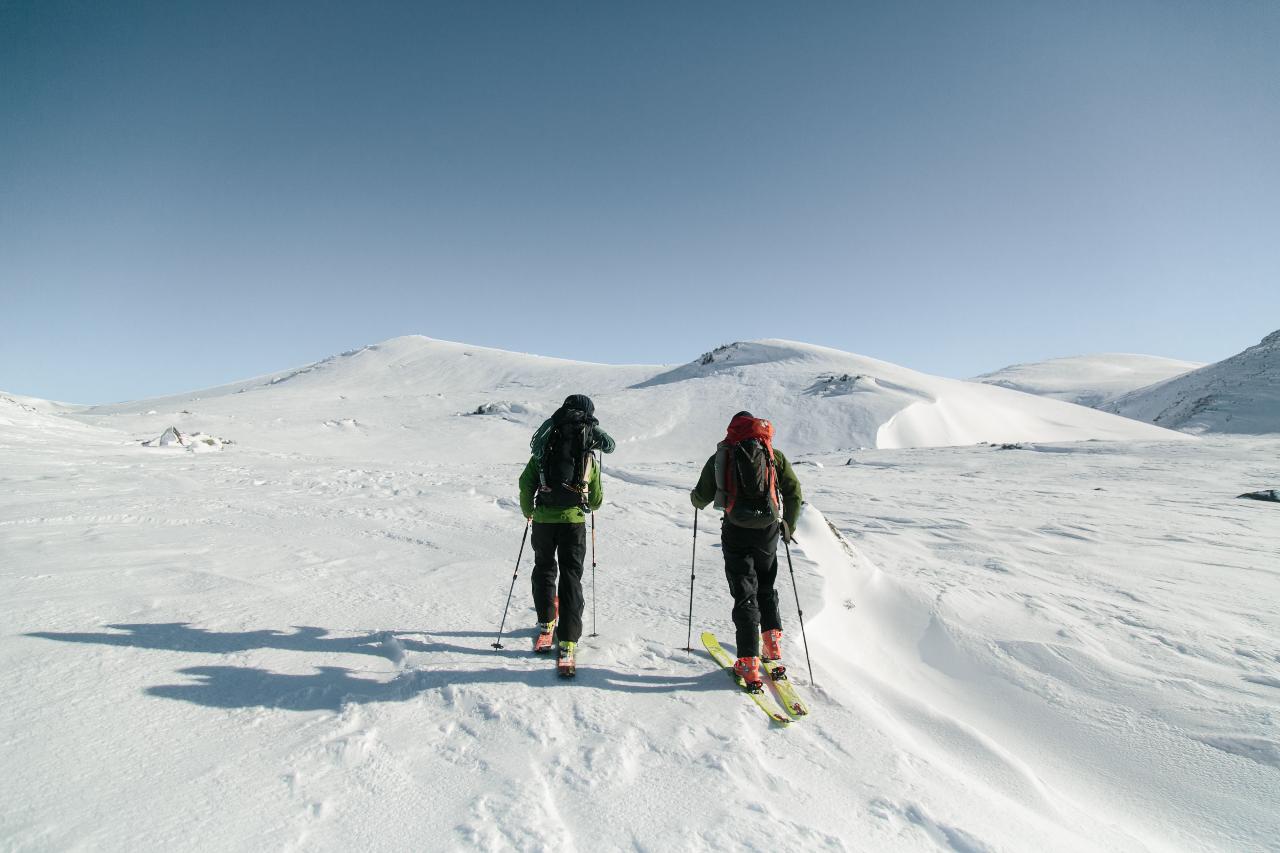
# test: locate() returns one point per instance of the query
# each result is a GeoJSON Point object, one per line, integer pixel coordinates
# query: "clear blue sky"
{"type": "Point", "coordinates": [195, 192]}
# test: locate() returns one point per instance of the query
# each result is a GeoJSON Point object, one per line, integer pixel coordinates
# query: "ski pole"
{"type": "Point", "coordinates": [792, 569]}
{"type": "Point", "coordinates": [599, 457]}
{"type": "Point", "coordinates": [693, 562]}
{"type": "Point", "coordinates": [593, 575]}
{"type": "Point", "coordinates": [502, 627]}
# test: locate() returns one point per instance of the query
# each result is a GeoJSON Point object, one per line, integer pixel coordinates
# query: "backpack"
{"type": "Point", "coordinates": [747, 476]}
{"type": "Point", "coordinates": [564, 468]}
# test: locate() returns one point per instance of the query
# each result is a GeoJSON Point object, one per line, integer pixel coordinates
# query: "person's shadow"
{"type": "Point", "coordinates": [331, 687]}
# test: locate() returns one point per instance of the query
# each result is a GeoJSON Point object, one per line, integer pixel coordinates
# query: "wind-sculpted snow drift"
{"type": "Point", "coordinates": [286, 644]}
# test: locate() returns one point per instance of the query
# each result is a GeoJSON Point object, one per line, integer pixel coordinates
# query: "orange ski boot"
{"type": "Point", "coordinates": [748, 669]}
{"type": "Point", "coordinates": [545, 639]}
{"type": "Point", "coordinates": [565, 664]}
{"type": "Point", "coordinates": [771, 645]}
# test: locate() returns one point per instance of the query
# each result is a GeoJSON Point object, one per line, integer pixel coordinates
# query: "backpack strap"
{"type": "Point", "coordinates": [722, 461]}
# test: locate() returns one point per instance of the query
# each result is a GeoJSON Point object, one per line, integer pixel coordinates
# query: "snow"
{"type": "Point", "coordinates": [409, 397]}
{"type": "Point", "coordinates": [1239, 395]}
{"type": "Point", "coordinates": [1088, 380]}
{"type": "Point", "coordinates": [286, 644]}
{"type": "Point", "coordinates": [833, 399]}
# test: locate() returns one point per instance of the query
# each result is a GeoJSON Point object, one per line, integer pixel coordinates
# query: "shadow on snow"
{"type": "Point", "coordinates": [332, 687]}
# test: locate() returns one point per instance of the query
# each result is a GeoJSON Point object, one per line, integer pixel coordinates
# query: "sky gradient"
{"type": "Point", "coordinates": [192, 193]}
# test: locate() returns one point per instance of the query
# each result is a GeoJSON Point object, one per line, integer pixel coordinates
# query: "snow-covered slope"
{"type": "Point", "coordinates": [418, 398]}
{"type": "Point", "coordinates": [286, 644]}
{"type": "Point", "coordinates": [823, 399]}
{"type": "Point", "coordinates": [1239, 395]}
{"type": "Point", "coordinates": [1066, 648]}
{"type": "Point", "coordinates": [32, 421]}
{"type": "Point", "coordinates": [1088, 380]}
{"type": "Point", "coordinates": [405, 398]}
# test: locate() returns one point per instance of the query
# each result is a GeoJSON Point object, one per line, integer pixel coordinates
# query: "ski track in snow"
{"type": "Point", "coordinates": [1068, 646]}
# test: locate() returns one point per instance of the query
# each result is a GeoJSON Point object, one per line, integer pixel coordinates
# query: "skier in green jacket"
{"type": "Point", "coordinates": [558, 487]}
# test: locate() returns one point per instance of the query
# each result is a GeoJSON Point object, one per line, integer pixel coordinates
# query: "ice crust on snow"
{"type": "Point", "coordinates": [1068, 647]}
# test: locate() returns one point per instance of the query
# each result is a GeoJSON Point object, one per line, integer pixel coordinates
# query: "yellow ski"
{"type": "Point", "coordinates": [763, 700]}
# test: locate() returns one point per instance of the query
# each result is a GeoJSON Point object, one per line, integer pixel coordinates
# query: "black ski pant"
{"type": "Point", "coordinates": [568, 542]}
{"type": "Point", "coordinates": [751, 566]}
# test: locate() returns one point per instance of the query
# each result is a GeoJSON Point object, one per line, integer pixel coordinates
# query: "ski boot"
{"type": "Point", "coordinates": [748, 669]}
{"type": "Point", "coordinates": [546, 637]}
{"type": "Point", "coordinates": [565, 665]}
{"type": "Point", "coordinates": [771, 653]}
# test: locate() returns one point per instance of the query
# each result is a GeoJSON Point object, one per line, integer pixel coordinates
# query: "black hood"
{"type": "Point", "coordinates": [581, 402]}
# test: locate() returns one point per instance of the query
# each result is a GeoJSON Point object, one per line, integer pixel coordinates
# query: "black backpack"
{"type": "Point", "coordinates": [746, 474]}
{"type": "Point", "coordinates": [565, 467]}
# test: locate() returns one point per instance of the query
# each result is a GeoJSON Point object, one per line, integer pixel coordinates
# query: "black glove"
{"type": "Point", "coordinates": [788, 535]}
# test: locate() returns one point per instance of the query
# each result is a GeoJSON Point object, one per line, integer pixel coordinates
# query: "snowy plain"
{"type": "Point", "coordinates": [285, 644]}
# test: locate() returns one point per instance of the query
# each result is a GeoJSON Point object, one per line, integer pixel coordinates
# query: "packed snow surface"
{"type": "Point", "coordinates": [1239, 395]}
{"type": "Point", "coordinates": [286, 644]}
{"type": "Point", "coordinates": [1088, 380]}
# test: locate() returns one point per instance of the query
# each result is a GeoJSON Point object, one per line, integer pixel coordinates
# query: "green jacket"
{"type": "Point", "coordinates": [705, 492]}
{"type": "Point", "coordinates": [556, 515]}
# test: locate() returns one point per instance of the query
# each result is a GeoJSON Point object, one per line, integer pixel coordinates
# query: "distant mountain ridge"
{"type": "Point", "coordinates": [429, 400]}
{"type": "Point", "coordinates": [1088, 380]}
{"type": "Point", "coordinates": [1240, 394]}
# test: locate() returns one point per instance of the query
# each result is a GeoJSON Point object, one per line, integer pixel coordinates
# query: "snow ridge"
{"type": "Point", "coordinates": [1088, 380]}
{"type": "Point", "coordinates": [1240, 395]}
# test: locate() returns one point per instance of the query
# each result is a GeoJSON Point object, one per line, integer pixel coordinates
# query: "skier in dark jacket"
{"type": "Point", "coordinates": [558, 487]}
{"type": "Point", "coordinates": [749, 479]}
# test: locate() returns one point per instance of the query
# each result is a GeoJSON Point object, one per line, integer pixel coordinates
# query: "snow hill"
{"type": "Point", "coordinates": [32, 421]}
{"type": "Point", "coordinates": [419, 398]}
{"type": "Point", "coordinates": [285, 644]}
{"type": "Point", "coordinates": [1088, 380]}
{"type": "Point", "coordinates": [1240, 394]}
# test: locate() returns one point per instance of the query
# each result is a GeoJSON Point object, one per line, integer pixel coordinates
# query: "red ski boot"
{"type": "Point", "coordinates": [748, 669]}
{"type": "Point", "coordinates": [771, 653]}
{"type": "Point", "coordinates": [565, 664]}
{"type": "Point", "coordinates": [544, 642]}
{"type": "Point", "coordinates": [771, 644]}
